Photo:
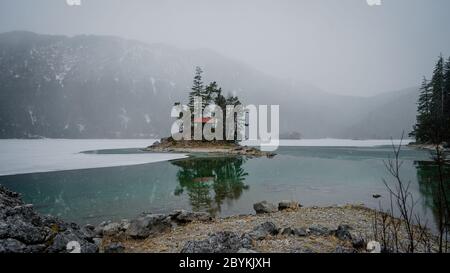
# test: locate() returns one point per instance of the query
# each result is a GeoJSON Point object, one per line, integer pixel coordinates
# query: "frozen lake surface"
{"type": "Point", "coordinates": [333, 142]}
{"type": "Point", "coordinates": [19, 156]}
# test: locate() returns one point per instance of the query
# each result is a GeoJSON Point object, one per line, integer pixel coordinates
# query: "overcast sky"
{"type": "Point", "coordinates": [341, 46]}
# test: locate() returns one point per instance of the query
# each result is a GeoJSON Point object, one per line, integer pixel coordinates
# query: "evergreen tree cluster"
{"type": "Point", "coordinates": [433, 119]}
{"type": "Point", "coordinates": [210, 94]}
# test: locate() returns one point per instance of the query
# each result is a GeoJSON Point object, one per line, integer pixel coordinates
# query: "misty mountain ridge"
{"type": "Point", "coordinates": [90, 86]}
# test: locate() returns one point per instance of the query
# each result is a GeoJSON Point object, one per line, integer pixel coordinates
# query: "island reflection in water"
{"type": "Point", "coordinates": [210, 181]}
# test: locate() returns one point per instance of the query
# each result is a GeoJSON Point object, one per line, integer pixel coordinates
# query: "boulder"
{"type": "Point", "coordinates": [10, 245]}
{"type": "Point", "coordinates": [359, 243]}
{"type": "Point", "coordinates": [184, 217]}
{"type": "Point", "coordinates": [318, 230]}
{"type": "Point", "coordinates": [97, 241]}
{"type": "Point", "coordinates": [23, 230]}
{"type": "Point", "coordinates": [344, 250]}
{"type": "Point", "coordinates": [264, 207]}
{"type": "Point", "coordinates": [110, 229]}
{"type": "Point", "coordinates": [301, 232]}
{"type": "Point", "coordinates": [288, 205]}
{"type": "Point", "coordinates": [156, 144]}
{"type": "Point", "coordinates": [263, 230]}
{"type": "Point", "coordinates": [287, 231]}
{"type": "Point", "coordinates": [220, 242]}
{"type": "Point", "coordinates": [147, 225]}
{"type": "Point", "coordinates": [114, 248]}
{"type": "Point", "coordinates": [343, 232]}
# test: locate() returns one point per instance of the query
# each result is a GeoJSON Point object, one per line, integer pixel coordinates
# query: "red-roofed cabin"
{"type": "Point", "coordinates": [203, 120]}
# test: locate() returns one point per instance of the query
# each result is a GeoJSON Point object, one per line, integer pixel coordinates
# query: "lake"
{"type": "Point", "coordinates": [222, 185]}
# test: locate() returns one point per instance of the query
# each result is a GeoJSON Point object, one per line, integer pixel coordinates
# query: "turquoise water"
{"type": "Point", "coordinates": [223, 185]}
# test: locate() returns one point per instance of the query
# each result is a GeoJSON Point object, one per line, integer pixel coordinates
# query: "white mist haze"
{"type": "Point", "coordinates": [114, 68]}
{"type": "Point", "coordinates": [343, 47]}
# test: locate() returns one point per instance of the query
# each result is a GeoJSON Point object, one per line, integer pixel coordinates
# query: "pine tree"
{"type": "Point", "coordinates": [433, 111]}
{"type": "Point", "coordinates": [437, 103]}
{"type": "Point", "coordinates": [234, 100]}
{"type": "Point", "coordinates": [422, 128]}
{"type": "Point", "coordinates": [197, 89]}
{"type": "Point", "coordinates": [212, 91]}
{"type": "Point", "coordinates": [220, 100]}
{"type": "Point", "coordinates": [447, 100]}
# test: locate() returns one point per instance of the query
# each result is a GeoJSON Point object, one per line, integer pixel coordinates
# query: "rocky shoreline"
{"type": "Point", "coordinates": [430, 147]}
{"type": "Point", "coordinates": [168, 145]}
{"type": "Point", "coordinates": [284, 228]}
{"type": "Point", "coordinates": [23, 230]}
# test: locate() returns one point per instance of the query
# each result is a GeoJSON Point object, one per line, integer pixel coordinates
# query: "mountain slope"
{"type": "Point", "coordinates": [107, 87]}
{"type": "Point", "coordinates": [390, 118]}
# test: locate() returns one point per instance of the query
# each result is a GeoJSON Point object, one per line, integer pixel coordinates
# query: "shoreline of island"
{"type": "Point", "coordinates": [169, 145]}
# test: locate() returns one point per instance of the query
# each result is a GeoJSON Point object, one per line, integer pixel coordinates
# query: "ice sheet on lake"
{"type": "Point", "coordinates": [331, 142]}
{"type": "Point", "coordinates": [19, 156]}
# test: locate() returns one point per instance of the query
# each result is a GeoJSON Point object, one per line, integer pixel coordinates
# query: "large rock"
{"type": "Point", "coordinates": [345, 250]}
{"type": "Point", "coordinates": [23, 230]}
{"type": "Point", "coordinates": [263, 230]}
{"type": "Point", "coordinates": [10, 245]}
{"type": "Point", "coordinates": [184, 217]}
{"type": "Point", "coordinates": [149, 224]}
{"type": "Point", "coordinates": [319, 230]}
{"type": "Point", "coordinates": [343, 232]}
{"type": "Point", "coordinates": [301, 232]}
{"type": "Point", "coordinates": [111, 228]}
{"type": "Point", "coordinates": [359, 243]}
{"type": "Point", "coordinates": [288, 205]}
{"type": "Point", "coordinates": [220, 242]}
{"type": "Point", "coordinates": [114, 248]}
{"type": "Point", "coordinates": [264, 207]}
{"type": "Point", "coordinates": [287, 231]}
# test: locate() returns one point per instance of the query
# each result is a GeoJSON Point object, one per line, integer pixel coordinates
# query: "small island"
{"type": "Point", "coordinates": [210, 94]}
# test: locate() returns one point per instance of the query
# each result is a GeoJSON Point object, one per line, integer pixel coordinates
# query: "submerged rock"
{"type": "Point", "coordinates": [220, 242]}
{"type": "Point", "coordinates": [264, 207]}
{"type": "Point", "coordinates": [23, 230]}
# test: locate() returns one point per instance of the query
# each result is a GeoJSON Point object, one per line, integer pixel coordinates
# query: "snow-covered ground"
{"type": "Point", "coordinates": [18, 156]}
